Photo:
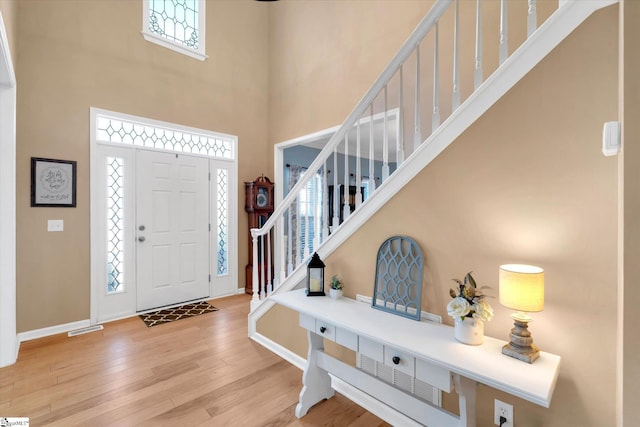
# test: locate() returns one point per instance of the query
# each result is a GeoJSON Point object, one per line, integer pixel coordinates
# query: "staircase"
{"type": "Point", "coordinates": [423, 84]}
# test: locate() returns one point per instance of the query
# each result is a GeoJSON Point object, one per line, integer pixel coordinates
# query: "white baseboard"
{"type": "Point", "coordinates": [52, 330]}
{"type": "Point", "coordinates": [281, 351]}
{"type": "Point", "coordinates": [67, 327]}
{"type": "Point", "coordinates": [240, 291]}
{"type": "Point", "coordinates": [15, 359]}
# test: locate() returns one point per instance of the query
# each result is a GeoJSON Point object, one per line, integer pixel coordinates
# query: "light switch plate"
{"type": "Point", "coordinates": [55, 225]}
{"type": "Point", "coordinates": [611, 138]}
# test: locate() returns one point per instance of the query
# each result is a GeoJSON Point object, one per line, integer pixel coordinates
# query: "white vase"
{"type": "Point", "coordinates": [469, 330]}
{"type": "Point", "coordinates": [335, 293]}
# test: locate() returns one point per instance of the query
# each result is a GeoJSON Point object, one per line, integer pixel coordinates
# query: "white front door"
{"type": "Point", "coordinates": [172, 228]}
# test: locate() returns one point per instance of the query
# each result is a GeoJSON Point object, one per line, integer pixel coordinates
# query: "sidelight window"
{"type": "Point", "coordinates": [115, 225]}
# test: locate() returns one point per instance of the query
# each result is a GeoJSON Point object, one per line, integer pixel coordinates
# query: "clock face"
{"type": "Point", "coordinates": [262, 198]}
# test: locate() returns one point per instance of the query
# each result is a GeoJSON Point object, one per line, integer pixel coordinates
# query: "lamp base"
{"type": "Point", "coordinates": [528, 355]}
{"type": "Point", "coordinates": [521, 346]}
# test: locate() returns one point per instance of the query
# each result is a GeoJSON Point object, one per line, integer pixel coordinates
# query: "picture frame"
{"type": "Point", "coordinates": [53, 183]}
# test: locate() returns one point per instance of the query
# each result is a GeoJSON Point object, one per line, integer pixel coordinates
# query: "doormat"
{"type": "Point", "coordinates": [176, 313]}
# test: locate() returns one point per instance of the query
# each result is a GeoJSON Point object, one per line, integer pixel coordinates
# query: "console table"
{"type": "Point", "coordinates": [424, 351]}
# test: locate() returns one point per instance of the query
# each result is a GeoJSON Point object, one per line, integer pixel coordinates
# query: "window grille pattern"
{"type": "Point", "coordinates": [153, 136]}
{"type": "Point", "coordinates": [223, 225]}
{"type": "Point", "coordinates": [175, 20]}
{"type": "Point", "coordinates": [115, 225]}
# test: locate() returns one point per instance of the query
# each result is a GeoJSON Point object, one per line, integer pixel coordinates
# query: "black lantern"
{"type": "Point", "coordinates": [315, 276]}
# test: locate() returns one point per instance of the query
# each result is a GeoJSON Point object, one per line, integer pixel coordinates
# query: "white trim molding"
{"type": "Point", "coordinates": [9, 344]}
{"type": "Point", "coordinates": [53, 330]}
{"type": "Point", "coordinates": [288, 355]}
{"type": "Point", "coordinates": [311, 140]}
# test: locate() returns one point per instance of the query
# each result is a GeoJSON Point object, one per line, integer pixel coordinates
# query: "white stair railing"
{"type": "Point", "coordinates": [306, 217]}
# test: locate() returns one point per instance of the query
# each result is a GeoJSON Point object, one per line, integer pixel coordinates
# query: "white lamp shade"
{"type": "Point", "coordinates": [522, 287]}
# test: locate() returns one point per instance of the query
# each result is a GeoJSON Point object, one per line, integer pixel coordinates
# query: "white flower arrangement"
{"type": "Point", "coordinates": [469, 301]}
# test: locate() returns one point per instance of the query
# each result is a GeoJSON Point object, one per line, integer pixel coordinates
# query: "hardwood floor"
{"type": "Point", "coordinates": [201, 371]}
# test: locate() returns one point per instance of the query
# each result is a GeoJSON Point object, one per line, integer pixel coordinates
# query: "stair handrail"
{"type": "Point", "coordinates": [423, 28]}
{"type": "Point", "coordinates": [305, 220]}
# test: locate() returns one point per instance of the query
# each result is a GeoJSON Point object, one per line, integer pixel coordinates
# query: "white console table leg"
{"type": "Point", "coordinates": [466, 390]}
{"type": "Point", "coordinates": [316, 383]}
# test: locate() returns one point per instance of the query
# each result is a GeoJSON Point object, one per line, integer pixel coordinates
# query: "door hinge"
{"type": "Point", "coordinates": [209, 176]}
{"type": "Point", "coordinates": [209, 228]}
{"type": "Point", "coordinates": [209, 278]}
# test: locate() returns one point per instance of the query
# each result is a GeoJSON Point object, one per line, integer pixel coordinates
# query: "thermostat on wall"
{"type": "Point", "coordinates": [611, 138]}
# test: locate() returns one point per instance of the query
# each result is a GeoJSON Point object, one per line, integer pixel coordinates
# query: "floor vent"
{"type": "Point", "coordinates": [85, 330]}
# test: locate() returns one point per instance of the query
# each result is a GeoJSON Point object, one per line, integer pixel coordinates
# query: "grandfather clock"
{"type": "Point", "coordinates": [258, 203]}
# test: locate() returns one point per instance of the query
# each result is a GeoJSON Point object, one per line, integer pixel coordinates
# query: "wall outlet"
{"type": "Point", "coordinates": [503, 410]}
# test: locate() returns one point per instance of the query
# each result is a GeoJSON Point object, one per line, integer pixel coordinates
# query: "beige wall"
{"type": "Point", "coordinates": [324, 56]}
{"type": "Point", "coordinates": [629, 370]}
{"type": "Point", "coordinates": [78, 54]}
{"type": "Point", "coordinates": [322, 60]}
{"type": "Point", "coordinates": [526, 183]}
{"type": "Point", "coordinates": [9, 9]}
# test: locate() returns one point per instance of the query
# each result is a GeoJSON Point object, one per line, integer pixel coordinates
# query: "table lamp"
{"type": "Point", "coordinates": [521, 289]}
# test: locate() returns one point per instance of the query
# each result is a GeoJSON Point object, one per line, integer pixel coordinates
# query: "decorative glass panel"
{"type": "Point", "coordinates": [153, 136]}
{"type": "Point", "coordinates": [398, 284]}
{"type": "Point", "coordinates": [223, 224]}
{"type": "Point", "coordinates": [115, 225]}
{"type": "Point", "coordinates": [175, 20]}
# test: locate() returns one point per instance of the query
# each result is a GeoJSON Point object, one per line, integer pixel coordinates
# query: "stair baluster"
{"type": "Point", "coordinates": [385, 141]}
{"type": "Point", "coordinates": [358, 179]}
{"type": "Point", "coordinates": [504, 37]}
{"type": "Point", "coordinates": [532, 18]}
{"type": "Point", "coordinates": [287, 245]}
{"type": "Point", "coordinates": [399, 129]}
{"type": "Point", "coordinates": [435, 118]}
{"type": "Point", "coordinates": [417, 133]}
{"type": "Point", "coordinates": [477, 81]}
{"type": "Point", "coordinates": [372, 158]}
{"type": "Point", "coordinates": [346, 210]}
{"type": "Point", "coordinates": [455, 98]}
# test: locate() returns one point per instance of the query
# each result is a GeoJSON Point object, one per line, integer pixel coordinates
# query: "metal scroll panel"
{"type": "Point", "coordinates": [398, 284]}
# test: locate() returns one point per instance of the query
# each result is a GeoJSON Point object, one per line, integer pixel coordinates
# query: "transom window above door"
{"type": "Point", "coordinates": [148, 133]}
{"type": "Point", "coordinates": [178, 25]}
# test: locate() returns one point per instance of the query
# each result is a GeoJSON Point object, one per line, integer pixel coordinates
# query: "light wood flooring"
{"type": "Point", "coordinates": [197, 371]}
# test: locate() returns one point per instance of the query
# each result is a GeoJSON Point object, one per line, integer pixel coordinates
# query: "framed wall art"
{"type": "Point", "coordinates": [53, 183]}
